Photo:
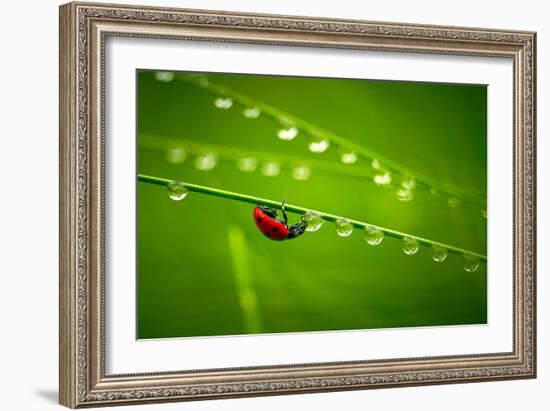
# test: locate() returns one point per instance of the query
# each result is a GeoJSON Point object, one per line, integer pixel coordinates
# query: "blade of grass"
{"type": "Point", "coordinates": [235, 154]}
{"type": "Point", "coordinates": [301, 210]}
{"type": "Point", "coordinates": [317, 132]}
{"type": "Point", "coordinates": [241, 268]}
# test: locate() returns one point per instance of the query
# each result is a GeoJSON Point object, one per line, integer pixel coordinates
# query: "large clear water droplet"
{"type": "Point", "coordinates": [313, 221]}
{"type": "Point", "coordinates": [344, 228]}
{"type": "Point", "coordinates": [223, 103]}
{"type": "Point", "coordinates": [206, 162]}
{"type": "Point", "coordinates": [301, 173]}
{"type": "Point", "coordinates": [271, 169]}
{"type": "Point", "coordinates": [319, 146]}
{"type": "Point", "coordinates": [164, 76]}
{"type": "Point", "coordinates": [251, 112]}
{"type": "Point", "coordinates": [176, 190]}
{"type": "Point", "coordinates": [176, 155]}
{"type": "Point", "coordinates": [471, 263]}
{"type": "Point", "coordinates": [453, 202]}
{"type": "Point", "coordinates": [382, 178]}
{"type": "Point", "coordinates": [287, 134]}
{"type": "Point", "coordinates": [348, 157]}
{"type": "Point", "coordinates": [373, 235]}
{"type": "Point", "coordinates": [247, 164]}
{"type": "Point", "coordinates": [410, 245]}
{"type": "Point", "coordinates": [439, 253]}
{"type": "Point", "coordinates": [405, 194]}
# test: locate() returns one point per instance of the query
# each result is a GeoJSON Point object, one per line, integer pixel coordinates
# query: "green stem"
{"type": "Point", "coordinates": [235, 154]}
{"type": "Point", "coordinates": [313, 130]}
{"type": "Point", "coordinates": [301, 210]}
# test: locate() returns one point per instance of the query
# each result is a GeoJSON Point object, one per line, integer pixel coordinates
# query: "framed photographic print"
{"type": "Point", "coordinates": [256, 204]}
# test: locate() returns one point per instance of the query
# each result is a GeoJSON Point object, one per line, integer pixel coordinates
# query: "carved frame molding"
{"type": "Point", "coordinates": [84, 27]}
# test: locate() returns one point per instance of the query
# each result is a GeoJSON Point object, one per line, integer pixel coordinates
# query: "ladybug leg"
{"type": "Point", "coordinates": [284, 214]}
{"type": "Point", "coordinates": [270, 212]}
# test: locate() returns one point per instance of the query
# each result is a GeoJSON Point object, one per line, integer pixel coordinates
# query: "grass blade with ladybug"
{"type": "Point", "coordinates": [265, 207]}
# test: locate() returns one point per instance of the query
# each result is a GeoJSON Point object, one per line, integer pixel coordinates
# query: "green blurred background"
{"type": "Point", "coordinates": [205, 269]}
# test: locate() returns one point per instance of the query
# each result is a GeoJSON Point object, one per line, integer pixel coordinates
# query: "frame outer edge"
{"type": "Point", "coordinates": [77, 346]}
{"type": "Point", "coordinates": [535, 251]}
{"type": "Point", "coordinates": [534, 40]}
{"type": "Point", "coordinates": [68, 327]}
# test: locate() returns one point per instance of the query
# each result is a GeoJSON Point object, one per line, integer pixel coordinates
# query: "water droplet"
{"type": "Point", "coordinates": [382, 178]}
{"type": "Point", "coordinates": [164, 76]}
{"type": "Point", "coordinates": [313, 221]}
{"type": "Point", "coordinates": [319, 146]}
{"type": "Point", "coordinates": [176, 190]}
{"type": "Point", "coordinates": [348, 157]}
{"type": "Point", "coordinates": [373, 235]}
{"type": "Point", "coordinates": [247, 164]}
{"type": "Point", "coordinates": [405, 194]}
{"type": "Point", "coordinates": [251, 112]}
{"type": "Point", "coordinates": [287, 134]}
{"type": "Point", "coordinates": [409, 245]}
{"type": "Point", "coordinates": [439, 253]}
{"type": "Point", "coordinates": [484, 212]}
{"type": "Point", "coordinates": [344, 228]}
{"type": "Point", "coordinates": [301, 173]}
{"type": "Point", "coordinates": [434, 191]}
{"type": "Point", "coordinates": [453, 202]}
{"type": "Point", "coordinates": [375, 164]}
{"type": "Point", "coordinates": [471, 263]}
{"type": "Point", "coordinates": [223, 103]}
{"type": "Point", "coordinates": [408, 183]}
{"type": "Point", "coordinates": [206, 162]}
{"type": "Point", "coordinates": [176, 155]}
{"type": "Point", "coordinates": [271, 169]}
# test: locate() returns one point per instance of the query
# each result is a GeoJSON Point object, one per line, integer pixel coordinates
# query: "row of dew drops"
{"type": "Point", "coordinates": [344, 228]}
{"type": "Point", "coordinates": [288, 132]}
{"type": "Point", "coordinates": [247, 164]}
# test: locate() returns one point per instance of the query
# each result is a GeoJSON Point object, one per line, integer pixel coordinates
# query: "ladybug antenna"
{"type": "Point", "coordinates": [283, 210]}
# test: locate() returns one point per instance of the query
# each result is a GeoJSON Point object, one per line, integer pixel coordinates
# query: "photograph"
{"type": "Point", "coordinates": [269, 203]}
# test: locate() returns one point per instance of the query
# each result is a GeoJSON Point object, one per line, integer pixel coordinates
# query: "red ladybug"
{"type": "Point", "coordinates": [273, 227]}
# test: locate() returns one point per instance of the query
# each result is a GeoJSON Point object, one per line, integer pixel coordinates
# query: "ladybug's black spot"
{"type": "Point", "coordinates": [275, 229]}
{"type": "Point", "coordinates": [259, 219]}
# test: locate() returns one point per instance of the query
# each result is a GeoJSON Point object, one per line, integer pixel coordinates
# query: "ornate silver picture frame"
{"type": "Point", "coordinates": [84, 30]}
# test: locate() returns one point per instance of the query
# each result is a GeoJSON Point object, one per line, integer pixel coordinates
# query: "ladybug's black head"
{"type": "Point", "coordinates": [297, 229]}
